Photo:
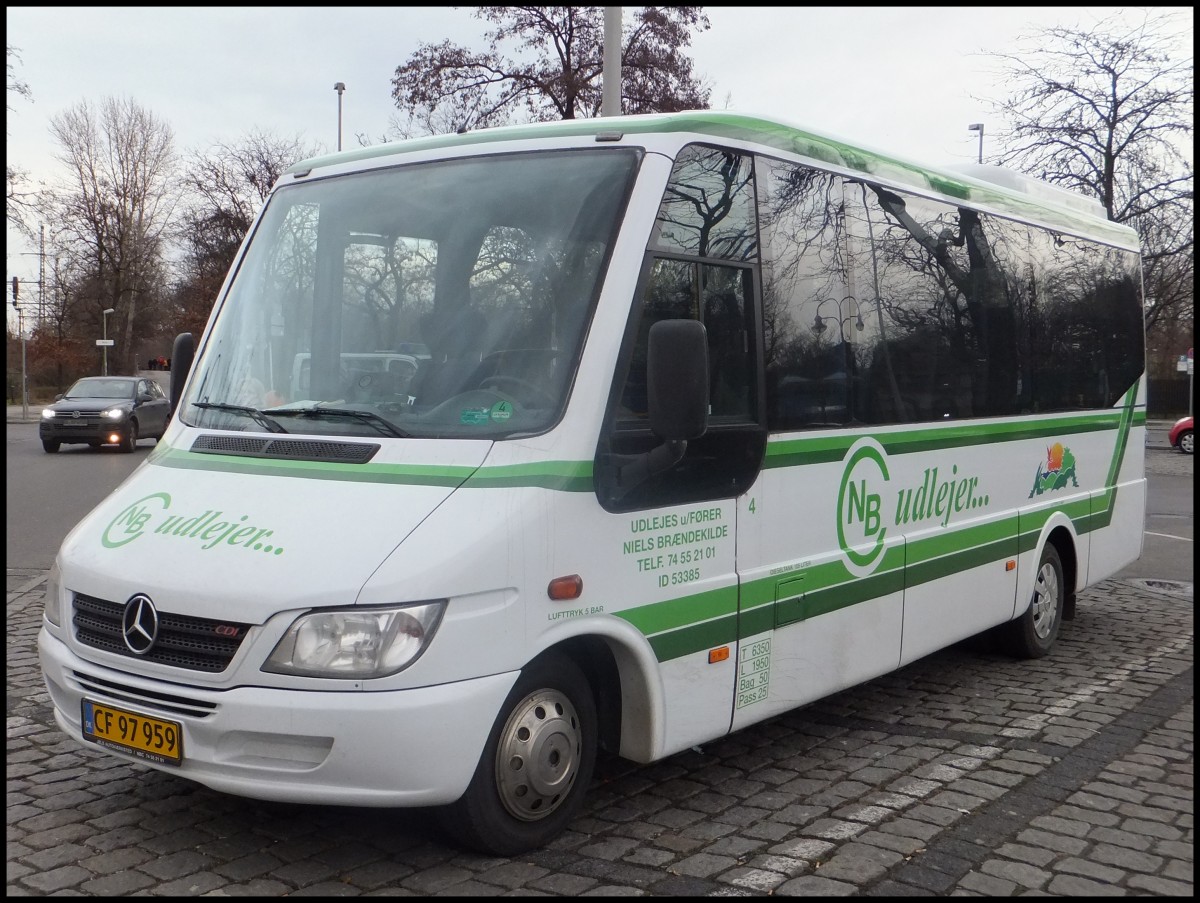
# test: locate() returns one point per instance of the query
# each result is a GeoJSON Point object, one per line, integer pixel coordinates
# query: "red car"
{"type": "Point", "coordinates": [1181, 435]}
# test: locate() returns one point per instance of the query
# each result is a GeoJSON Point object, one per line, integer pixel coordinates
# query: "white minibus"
{"type": "Point", "coordinates": [506, 448]}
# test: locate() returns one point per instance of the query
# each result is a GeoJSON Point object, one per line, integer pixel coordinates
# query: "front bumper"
{"type": "Point", "coordinates": [84, 430]}
{"type": "Point", "coordinates": [400, 748]}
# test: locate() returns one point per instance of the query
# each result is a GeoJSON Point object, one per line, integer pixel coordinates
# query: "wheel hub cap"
{"type": "Point", "coordinates": [1045, 601]}
{"type": "Point", "coordinates": [537, 758]}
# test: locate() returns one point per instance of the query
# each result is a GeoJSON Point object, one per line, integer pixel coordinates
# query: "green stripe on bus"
{"type": "Point", "coordinates": [578, 476]}
{"type": "Point", "coordinates": [567, 476]}
{"type": "Point", "coordinates": [564, 476]}
{"type": "Point", "coordinates": [407, 474]}
{"type": "Point", "coordinates": [687, 640]}
{"type": "Point", "coordinates": [792, 452]}
{"type": "Point", "coordinates": [682, 612]}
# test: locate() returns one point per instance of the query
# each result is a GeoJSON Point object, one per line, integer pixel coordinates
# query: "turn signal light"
{"type": "Point", "coordinates": [563, 588]}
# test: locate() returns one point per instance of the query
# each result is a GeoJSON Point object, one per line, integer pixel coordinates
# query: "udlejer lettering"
{"type": "Point", "coordinates": [211, 528]}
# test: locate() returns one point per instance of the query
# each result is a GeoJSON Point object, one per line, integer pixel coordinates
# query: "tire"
{"type": "Point", "coordinates": [94, 445]}
{"type": "Point", "coordinates": [1032, 635]}
{"type": "Point", "coordinates": [129, 440]}
{"type": "Point", "coordinates": [1187, 442]}
{"type": "Point", "coordinates": [536, 765]}
{"type": "Point", "coordinates": [50, 446]}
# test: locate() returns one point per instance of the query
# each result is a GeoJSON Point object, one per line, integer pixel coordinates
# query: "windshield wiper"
{"type": "Point", "coordinates": [253, 413]}
{"type": "Point", "coordinates": [380, 423]}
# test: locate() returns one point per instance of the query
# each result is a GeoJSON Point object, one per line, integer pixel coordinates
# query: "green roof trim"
{"type": "Point", "coordinates": [773, 134]}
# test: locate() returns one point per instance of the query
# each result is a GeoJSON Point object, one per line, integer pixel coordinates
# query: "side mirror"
{"type": "Point", "coordinates": [676, 400]}
{"type": "Point", "coordinates": [182, 354]}
{"type": "Point", "coordinates": [677, 379]}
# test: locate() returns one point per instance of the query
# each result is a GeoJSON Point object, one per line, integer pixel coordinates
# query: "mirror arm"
{"type": "Point", "coordinates": [632, 470]}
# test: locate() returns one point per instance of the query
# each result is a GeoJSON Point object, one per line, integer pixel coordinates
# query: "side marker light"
{"type": "Point", "coordinates": [564, 588]}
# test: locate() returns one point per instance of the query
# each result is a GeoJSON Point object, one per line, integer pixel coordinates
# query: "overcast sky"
{"type": "Point", "coordinates": [909, 80]}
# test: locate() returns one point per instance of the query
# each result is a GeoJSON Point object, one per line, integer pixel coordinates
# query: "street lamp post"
{"type": "Point", "coordinates": [106, 313]}
{"type": "Point", "coordinates": [339, 87]}
{"type": "Point", "coordinates": [978, 127]}
{"type": "Point", "coordinates": [819, 327]}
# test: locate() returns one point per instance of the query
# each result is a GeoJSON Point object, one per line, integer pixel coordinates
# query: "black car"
{"type": "Point", "coordinates": [106, 410]}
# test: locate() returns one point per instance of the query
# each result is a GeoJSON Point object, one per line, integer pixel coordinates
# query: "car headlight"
{"type": "Point", "coordinates": [114, 413]}
{"type": "Point", "coordinates": [355, 643]}
{"type": "Point", "coordinates": [48, 414]}
{"type": "Point", "coordinates": [53, 609]}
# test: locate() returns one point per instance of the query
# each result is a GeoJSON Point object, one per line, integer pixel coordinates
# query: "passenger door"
{"type": "Point", "coordinates": [676, 575]}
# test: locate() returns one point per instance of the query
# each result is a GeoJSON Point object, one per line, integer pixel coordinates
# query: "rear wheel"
{"type": "Point", "coordinates": [1187, 442]}
{"type": "Point", "coordinates": [50, 446]}
{"type": "Point", "coordinates": [129, 440]}
{"type": "Point", "coordinates": [536, 765]}
{"type": "Point", "coordinates": [1032, 635]}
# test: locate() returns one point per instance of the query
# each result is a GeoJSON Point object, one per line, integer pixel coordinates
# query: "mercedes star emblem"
{"type": "Point", "coordinates": [139, 625]}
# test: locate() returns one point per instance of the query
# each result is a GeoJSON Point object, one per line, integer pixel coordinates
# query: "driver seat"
{"type": "Point", "coordinates": [454, 348]}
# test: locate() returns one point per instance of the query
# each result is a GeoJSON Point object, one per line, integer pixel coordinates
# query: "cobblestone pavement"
{"type": "Point", "coordinates": [963, 774]}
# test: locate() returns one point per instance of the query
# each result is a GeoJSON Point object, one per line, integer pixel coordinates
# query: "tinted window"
{"type": "Point", "coordinates": [708, 207]}
{"type": "Point", "coordinates": [812, 318]}
{"type": "Point", "coordinates": [884, 307]}
{"type": "Point", "coordinates": [1080, 326]}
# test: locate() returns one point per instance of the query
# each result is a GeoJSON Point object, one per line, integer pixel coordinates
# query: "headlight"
{"type": "Point", "coordinates": [54, 596]}
{"type": "Point", "coordinates": [355, 643]}
{"type": "Point", "coordinates": [114, 413]}
{"type": "Point", "coordinates": [48, 414]}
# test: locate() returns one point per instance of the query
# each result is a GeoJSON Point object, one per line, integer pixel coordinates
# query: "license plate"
{"type": "Point", "coordinates": [147, 738]}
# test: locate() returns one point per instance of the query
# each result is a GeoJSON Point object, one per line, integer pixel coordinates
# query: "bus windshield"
{"type": "Point", "coordinates": [439, 299]}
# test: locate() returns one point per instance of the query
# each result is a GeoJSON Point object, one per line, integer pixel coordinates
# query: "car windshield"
{"type": "Point", "coordinates": [439, 299]}
{"type": "Point", "coordinates": [99, 387]}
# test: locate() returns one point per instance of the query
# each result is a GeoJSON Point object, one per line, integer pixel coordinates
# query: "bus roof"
{"type": "Point", "coordinates": [1004, 191]}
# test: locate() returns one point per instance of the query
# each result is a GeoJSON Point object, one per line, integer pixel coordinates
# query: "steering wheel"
{"type": "Point", "coordinates": [525, 392]}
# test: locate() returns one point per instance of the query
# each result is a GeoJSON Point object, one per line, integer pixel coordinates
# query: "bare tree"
{"type": "Point", "coordinates": [18, 200]}
{"type": "Point", "coordinates": [1106, 112]}
{"type": "Point", "coordinates": [225, 188]}
{"type": "Point", "coordinates": [558, 73]}
{"type": "Point", "coordinates": [113, 213]}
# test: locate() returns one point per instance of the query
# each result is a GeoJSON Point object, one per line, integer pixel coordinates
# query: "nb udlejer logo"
{"type": "Point", "coordinates": [212, 529]}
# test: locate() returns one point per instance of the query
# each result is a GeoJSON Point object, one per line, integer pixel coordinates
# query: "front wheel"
{"type": "Point", "coordinates": [49, 446]}
{"type": "Point", "coordinates": [129, 440]}
{"type": "Point", "coordinates": [1033, 634]}
{"type": "Point", "coordinates": [536, 765]}
{"type": "Point", "coordinates": [1187, 442]}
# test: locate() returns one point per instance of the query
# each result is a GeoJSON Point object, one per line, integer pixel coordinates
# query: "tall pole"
{"type": "Point", "coordinates": [21, 330]}
{"type": "Point", "coordinates": [339, 87]}
{"type": "Point", "coordinates": [24, 378]}
{"type": "Point", "coordinates": [610, 100]}
{"type": "Point", "coordinates": [105, 345]}
{"type": "Point", "coordinates": [42, 273]}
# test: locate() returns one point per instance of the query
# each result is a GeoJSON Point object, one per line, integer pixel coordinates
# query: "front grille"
{"type": "Point", "coordinates": [183, 642]}
{"type": "Point", "coordinates": [99, 688]}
